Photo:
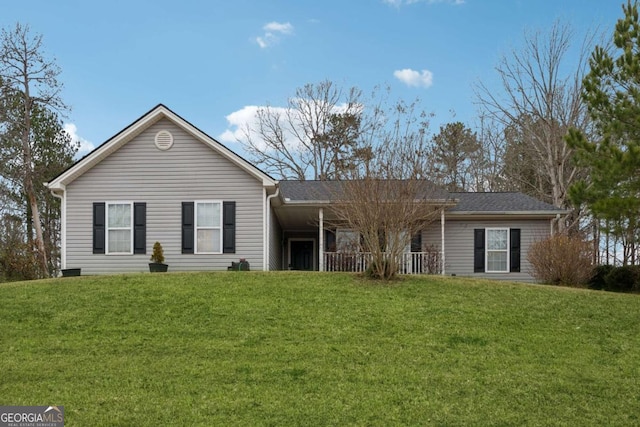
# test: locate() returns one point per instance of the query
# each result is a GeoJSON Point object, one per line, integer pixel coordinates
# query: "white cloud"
{"type": "Point", "coordinates": [273, 32]}
{"type": "Point", "coordinates": [85, 146]}
{"type": "Point", "coordinates": [262, 42]}
{"type": "Point", "coordinates": [243, 120]}
{"type": "Point", "coordinates": [414, 78]}
{"type": "Point", "coordinates": [238, 122]}
{"type": "Point", "coordinates": [276, 27]}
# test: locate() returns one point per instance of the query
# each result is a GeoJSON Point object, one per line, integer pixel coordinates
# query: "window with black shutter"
{"type": "Point", "coordinates": [208, 227]}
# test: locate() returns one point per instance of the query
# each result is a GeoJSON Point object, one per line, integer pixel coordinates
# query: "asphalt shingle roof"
{"type": "Point", "coordinates": [312, 191]}
{"type": "Point", "coordinates": [499, 202]}
{"type": "Point", "coordinates": [308, 191]}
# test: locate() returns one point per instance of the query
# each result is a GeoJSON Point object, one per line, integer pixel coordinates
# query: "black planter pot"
{"type": "Point", "coordinates": [156, 267]}
{"type": "Point", "coordinates": [71, 272]}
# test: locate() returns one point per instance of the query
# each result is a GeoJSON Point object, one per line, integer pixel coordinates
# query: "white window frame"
{"type": "Point", "coordinates": [487, 250]}
{"type": "Point", "coordinates": [196, 227]}
{"type": "Point", "coordinates": [107, 229]}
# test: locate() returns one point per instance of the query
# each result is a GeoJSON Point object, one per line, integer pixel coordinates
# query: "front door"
{"type": "Point", "coordinates": [302, 254]}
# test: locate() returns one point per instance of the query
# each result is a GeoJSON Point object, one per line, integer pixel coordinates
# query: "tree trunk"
{"type": "Point", "coordinates": [28, 186]}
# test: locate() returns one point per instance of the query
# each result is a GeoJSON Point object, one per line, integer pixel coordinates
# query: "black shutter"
{"type": "Point", "coordinates": [229, 227]}
{"type": "Point", "coordinates": [330, 241]}
{"type": "Point", "coordinates": [98, 228]}
{"type": "Point", "coordinates": [478, 250]}
{"type": "Point", "coordinates": [187, 227]}
{"type": "Point", "coordinates": [514, 250]}
{"type": "Point", "coordinates": [416, 242]}
{"type": "Point", "coordinates": [140, 228]}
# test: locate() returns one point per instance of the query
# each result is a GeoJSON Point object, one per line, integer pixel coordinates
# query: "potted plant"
{"type": "Point", "coordinates": [157, 264]}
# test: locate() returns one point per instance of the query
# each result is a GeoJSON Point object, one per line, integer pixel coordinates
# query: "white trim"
{"type": "Point", "coordinates": [486, 249]}
{"type": "Point", "coordinates": [313, 248]}
{"type": "Point", "coordinates": [196, 228]}
{"type": "Point", "coordinates": [107, 228]}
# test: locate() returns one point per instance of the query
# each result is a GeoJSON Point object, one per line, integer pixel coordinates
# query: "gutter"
{"type": "Point", "coordinates": [533, 213]}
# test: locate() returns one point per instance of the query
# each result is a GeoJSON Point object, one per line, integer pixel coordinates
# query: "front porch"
{"type": "Point", "coordinates": [307, 244]}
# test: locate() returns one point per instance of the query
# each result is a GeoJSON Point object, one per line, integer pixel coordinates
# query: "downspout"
{"type": "Point", "coordinates": [267, 228]}
{"type": "Point", "coordinates": [63, 227]}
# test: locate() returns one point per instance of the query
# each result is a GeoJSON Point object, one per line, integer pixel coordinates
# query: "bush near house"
{"type": "Point", "coordinates": [597, 281]}
{"type": "Point", "coordinates": [625, 278]}
{"type": "Point", "coordinates": [561, 260]}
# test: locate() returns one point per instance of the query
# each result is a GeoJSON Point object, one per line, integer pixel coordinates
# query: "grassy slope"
{"type": "Point", "coordinates": [318, 349]}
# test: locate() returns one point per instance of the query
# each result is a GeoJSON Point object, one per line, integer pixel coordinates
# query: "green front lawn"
{"type": "Point", "coordinates": [245, 348]}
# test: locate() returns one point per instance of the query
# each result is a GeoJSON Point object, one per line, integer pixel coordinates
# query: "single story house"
{"type": "Point", "coordinates": [163, 179]}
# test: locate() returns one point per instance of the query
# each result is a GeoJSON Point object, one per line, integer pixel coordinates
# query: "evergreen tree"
{"type": "Point", "coordinates": [612, 94]}
{"type": "Point", "coordinates": [454, 153]}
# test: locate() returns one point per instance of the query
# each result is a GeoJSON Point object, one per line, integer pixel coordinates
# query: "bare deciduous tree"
{"type": "Point", "coordinates": [540, 98]}
{"type": "Point", "coordinates": [290, 142]}
{"type": "Point", "coordinates": [388, 199]}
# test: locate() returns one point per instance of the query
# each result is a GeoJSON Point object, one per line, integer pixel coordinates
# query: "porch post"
{"type": "Point", "coordinates": [321, 240]}
{"type": "Point", "coordinates": [442, 248]}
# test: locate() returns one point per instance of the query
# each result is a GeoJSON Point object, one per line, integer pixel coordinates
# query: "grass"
{"type": "Point", "coordinates": [318, 349]}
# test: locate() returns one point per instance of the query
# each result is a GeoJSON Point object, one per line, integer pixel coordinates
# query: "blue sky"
{"type": "Point", "coordinates": [208, 59]}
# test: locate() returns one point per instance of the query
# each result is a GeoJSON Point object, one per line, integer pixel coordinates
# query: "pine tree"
{"type": "Point", "coordinates": [612, 95]}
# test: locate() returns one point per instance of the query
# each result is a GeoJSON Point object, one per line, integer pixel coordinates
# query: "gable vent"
{"type": "Point", "coordinates": [164, 140]}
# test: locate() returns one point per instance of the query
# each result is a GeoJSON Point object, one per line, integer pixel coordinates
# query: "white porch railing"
{"type": "Point", "coordinates": [358, 262]}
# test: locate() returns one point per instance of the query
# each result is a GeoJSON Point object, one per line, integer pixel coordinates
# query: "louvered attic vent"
{"type": "Point", "coordinates": [164, 140]}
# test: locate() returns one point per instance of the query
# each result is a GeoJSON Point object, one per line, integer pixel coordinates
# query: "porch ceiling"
{"type": "Point", "coordinates": [298, 217]}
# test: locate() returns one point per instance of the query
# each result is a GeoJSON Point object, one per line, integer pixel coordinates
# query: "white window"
{"type": "Point", "coordinates": [347, 240]}
{"type": "Point", "coordinates": [208, 227]}
{"type": "Point", "coordinates": [119, 227]}
{"type": "Point", "coordinates": [497, 250]}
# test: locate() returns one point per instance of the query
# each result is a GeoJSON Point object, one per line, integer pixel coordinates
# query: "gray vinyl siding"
{"type": "Point", "coordinates": [139, 172]}
{"type": "Point", "coordinates": [459, 245]}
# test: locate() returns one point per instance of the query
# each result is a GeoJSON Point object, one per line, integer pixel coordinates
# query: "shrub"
{"type": "Point", "coordinates": [561, 260]}
{"type": "Point", "coordinates": [18, 262]}
{"type": "Point", "coordinates": [599, 274]}
{"type": "Point", "coordinates": [623, 279]}
{"type": "Point", "coordinates": [158, 253]}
